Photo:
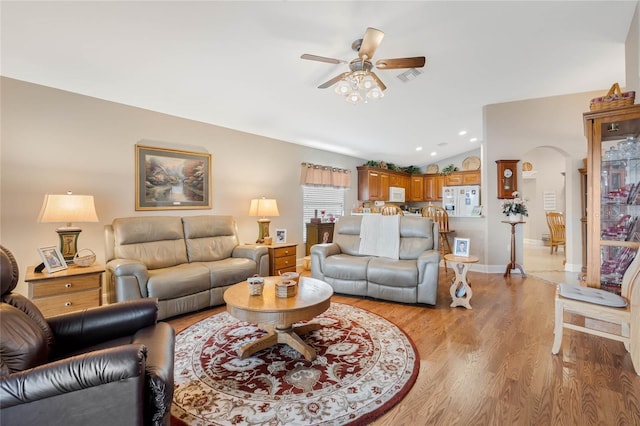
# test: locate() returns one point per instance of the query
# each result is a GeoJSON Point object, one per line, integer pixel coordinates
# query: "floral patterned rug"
{"type": "Point", "coordinates": [365, 365]}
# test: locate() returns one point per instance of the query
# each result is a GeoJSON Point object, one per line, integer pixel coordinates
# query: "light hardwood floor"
{"type": "Point", "coordinates": [492, 365]}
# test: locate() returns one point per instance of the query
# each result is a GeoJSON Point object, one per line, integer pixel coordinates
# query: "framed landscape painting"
{"type": "Point", "coordinates": [169, 179]}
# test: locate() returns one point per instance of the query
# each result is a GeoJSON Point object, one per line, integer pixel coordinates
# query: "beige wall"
{"type": "Point", "coordinates": [514, 129]}
{"type": "Point", "coordinates": [54, 141]}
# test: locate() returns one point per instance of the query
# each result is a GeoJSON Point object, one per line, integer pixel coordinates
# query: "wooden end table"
{"type": "Point", "coordinates": [460, 265]}
{"type": "Point", "coordinates": [69, 290]}
{"type": "Point", "coordinates": [277, 315]}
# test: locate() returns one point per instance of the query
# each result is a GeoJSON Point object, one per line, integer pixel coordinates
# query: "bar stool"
{"type": "Point", "coordinates": [441, 217]}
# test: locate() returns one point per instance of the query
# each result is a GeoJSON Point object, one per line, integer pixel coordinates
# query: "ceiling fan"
{"type": "Point", "coordinates": [361, 83]}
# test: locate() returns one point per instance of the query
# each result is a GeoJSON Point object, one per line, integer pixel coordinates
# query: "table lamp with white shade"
{"type": "Point", "coordinates": [68, 208]}
{"type": "Point", "coordinates": [263, 207]}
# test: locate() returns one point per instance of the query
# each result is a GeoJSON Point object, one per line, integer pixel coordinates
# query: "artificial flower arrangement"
{"type": "Point", "coordinates": [515, 205]}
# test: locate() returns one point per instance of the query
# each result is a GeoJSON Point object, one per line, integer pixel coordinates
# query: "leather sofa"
{"type": "Point", "coordinates": [185, 262]}
{"type": "Point", "coordinates": [412, 278]}
{"type": "Point", "coordinates": [111, 364]}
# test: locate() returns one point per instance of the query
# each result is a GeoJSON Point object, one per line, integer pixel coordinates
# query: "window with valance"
{"type": "Point", "coordinates": [327, 176]}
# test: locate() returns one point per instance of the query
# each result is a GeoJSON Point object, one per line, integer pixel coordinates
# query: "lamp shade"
{"type": "Point", "coordinates": [263, 207]}
{"type": "Point", "coordinates": [68, 208]}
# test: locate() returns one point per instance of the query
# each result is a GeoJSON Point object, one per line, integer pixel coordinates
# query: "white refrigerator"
{"type": "Point", "coordinates": [460, 201]}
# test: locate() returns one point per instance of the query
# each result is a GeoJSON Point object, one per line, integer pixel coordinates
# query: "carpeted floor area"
{"type": "Point", "coordinates": [365, 365]}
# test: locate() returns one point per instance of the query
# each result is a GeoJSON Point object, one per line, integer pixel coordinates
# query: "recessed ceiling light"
{"type": "Point", "coordinates": [462, 132]}
{"type": "Point", "coordinates": [473, 140]}
{"type": "Point", "coordinates": [419, 148]}
{"type": "Point", "coordinates": [433, 153]}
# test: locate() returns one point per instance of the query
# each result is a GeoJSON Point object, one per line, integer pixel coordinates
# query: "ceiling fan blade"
{"type": "Point", "coordinates": [333, 81]}
{"type": "Point", "coordinates": [387, 64]}
{"type": "Point", "coordinates": [380, 83]}
{"type": "Point", "coordinates": [370, 42]}
{"type": "Point", "coordinates": [322, 59]}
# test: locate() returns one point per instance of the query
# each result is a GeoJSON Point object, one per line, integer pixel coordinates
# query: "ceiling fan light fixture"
{"type": "Point", "coordinates": [360, 83]}
{"type": "Point", "coordinates": [354, 97]}
{"type": "Point", "coordinates": [343, 88]}
{"type": "Point", "coordinates": [367, 82]}
{"type": "Point", "coordinates": [375, 93]}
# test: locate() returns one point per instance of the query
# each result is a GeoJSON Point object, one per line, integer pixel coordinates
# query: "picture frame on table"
{"type": "Point", "coordinates": [281, 236]}
{"type": "Point", "coordinates": [171, 179]}
{"type": "Point", "coordinates": [477, 211]}
{"type": "Point", "coordinates": [52, 259]}
{"type": "Point", "coordinates": [461, 247]}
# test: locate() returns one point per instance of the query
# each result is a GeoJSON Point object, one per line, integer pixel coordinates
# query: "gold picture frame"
{"type": "Point", "coordinates": [171, 179]}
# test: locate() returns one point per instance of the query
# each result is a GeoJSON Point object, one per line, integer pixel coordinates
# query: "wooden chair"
{"type": "Point", "coordinates": [602, 305]}
{"type": "Point", "coordinates": [555, 221]}
{"type": "Point", "coordinates": [441, 217]}
{"type": "Point", "coordinates": [392, 210]}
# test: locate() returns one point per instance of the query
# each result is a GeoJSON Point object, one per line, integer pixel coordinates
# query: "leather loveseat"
{"type": "Point", "coordinates": [411, 278]}
{"type": "Point", "coordinates": [185, 262]}
{"type": "Point", "coordinates": [111, 364]}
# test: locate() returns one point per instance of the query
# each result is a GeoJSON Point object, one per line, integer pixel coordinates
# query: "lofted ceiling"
{"type": "Point", "coordinates": [237, 64]}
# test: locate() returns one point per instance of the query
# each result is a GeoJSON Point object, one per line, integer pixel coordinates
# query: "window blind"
{"type": "Point", "coordinates": [318, 199]}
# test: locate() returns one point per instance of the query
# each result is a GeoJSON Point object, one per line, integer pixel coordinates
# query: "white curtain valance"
{"type": "Point", "coordinates": [317, 175]}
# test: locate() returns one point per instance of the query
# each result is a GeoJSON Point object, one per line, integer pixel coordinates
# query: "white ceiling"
{"type": "Point", "coordinates": [237, 64]}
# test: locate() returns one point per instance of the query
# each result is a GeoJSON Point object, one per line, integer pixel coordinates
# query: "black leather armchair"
{"type": "Point", "coordinates": [107, 365]}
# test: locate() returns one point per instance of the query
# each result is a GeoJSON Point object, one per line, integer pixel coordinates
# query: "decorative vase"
{"type": "Point", "coordinates": [515, 217]}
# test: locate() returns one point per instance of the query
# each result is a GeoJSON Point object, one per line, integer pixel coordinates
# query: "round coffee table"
{"type": "Point", "coordinates": [277, 315]}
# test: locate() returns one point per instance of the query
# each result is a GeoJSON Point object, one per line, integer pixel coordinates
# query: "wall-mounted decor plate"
{"type": "Point", "coordinates": [471, 163]}
{"type": "Point", "coordinates": [433, 168]}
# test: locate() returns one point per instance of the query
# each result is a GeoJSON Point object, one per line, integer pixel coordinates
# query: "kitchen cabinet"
{"type": "Point", "coordinates": [399, 180]}
{"type": "Point", "coordinates": [417, 188]}
{"type": "Point", "coordinates": [433, 187]}
{"type": "Point", "coordinates": [613, 196]}
{"type": "Point", "coordinates": [373, 184]}
{"type": "Point", "coordinates": [465, 177]}
{"type": "Point", "coordinates": [470, 177]}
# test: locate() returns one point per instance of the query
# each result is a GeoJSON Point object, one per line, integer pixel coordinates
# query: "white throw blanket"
{"type": "Point", "coordinates": [380, 236]}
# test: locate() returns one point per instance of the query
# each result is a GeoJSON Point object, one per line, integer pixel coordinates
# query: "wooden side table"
{"type": "Point", "coordinates": [318, 233]}
{"type": "Point", "coordinates": [460, 265]}
{"type": "Point", "coordinates": [72, 289]}
{"type": "Point", "coordinates": [512, 264]}
{"type": "Point", "coordinates": [282, 258]}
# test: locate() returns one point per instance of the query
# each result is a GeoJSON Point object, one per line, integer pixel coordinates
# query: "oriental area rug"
{"type": "Point", "coordinates": [365, 365]}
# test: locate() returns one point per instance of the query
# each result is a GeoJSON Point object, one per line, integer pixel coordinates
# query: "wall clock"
{"type": "Point", "coordinates": [507, 178]}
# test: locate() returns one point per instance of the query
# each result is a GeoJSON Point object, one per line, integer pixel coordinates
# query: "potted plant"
{"type": "Point", "coordinates": [449, 169]}
{"type": "Point", "coordinates": [514, 208]}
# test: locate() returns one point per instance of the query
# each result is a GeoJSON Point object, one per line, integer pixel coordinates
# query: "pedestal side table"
{"type": "Point", "coordinates": [512, 264]}
{"type": "Point", "coordinates": [460, 289]}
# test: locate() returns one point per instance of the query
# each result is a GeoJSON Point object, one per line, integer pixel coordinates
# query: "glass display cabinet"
{"type": "Point", "coordinates": [613, 194]}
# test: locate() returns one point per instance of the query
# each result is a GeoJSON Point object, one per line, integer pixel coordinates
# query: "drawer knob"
{"type": "Point", "coordinates": [67, 304]}
{"type": "Point", "coordinates": [68, 285]}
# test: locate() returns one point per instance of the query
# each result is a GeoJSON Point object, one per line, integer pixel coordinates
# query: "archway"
{"type": "Point", "coordinates": [546, 188]}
